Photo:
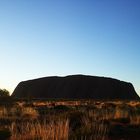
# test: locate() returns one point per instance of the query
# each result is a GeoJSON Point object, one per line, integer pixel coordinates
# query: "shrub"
{"type": "Point", "coordinates": [5, 134]}
{"type": "Point", "coordinates": [4, 93]}
{"type": "Point", "coordinates": [61, 108]}
{"type": "Point", "coordinates": [29, 112]}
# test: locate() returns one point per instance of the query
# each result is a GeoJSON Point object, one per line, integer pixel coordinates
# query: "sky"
{"type": "Point", "coordinates": [40, 38]}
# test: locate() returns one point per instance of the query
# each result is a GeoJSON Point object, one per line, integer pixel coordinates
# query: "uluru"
{"type": "Point", "coordinates": [76, 87]}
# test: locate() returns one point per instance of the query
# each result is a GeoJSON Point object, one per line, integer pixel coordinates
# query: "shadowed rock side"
{"type": "Point", "coordinates": [76, 86]}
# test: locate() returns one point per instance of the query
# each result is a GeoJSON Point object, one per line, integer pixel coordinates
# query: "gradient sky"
{"type": "Point", "coordinates": [41, 38]}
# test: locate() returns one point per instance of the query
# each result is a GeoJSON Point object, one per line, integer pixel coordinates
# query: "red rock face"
{"type": "Point", "coordinates": [76, 87]}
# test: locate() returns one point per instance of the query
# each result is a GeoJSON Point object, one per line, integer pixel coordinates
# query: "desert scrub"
{"type": "Point", "coordinates": [29, 112]}
{"type": "Point", "coordinates": [89, 120]}
{"type": "Point", "coordinates": [5, 134]}
{"type": "Point", "coordinates": [54, 130]}
{"type": "Point", "coordinates": [135, 117]}
{"type": "Point", "coordinates": [87, 125]}
{"type": "Point", "coordinates": [22, 112]}
{"type": "Point", "coordinates": [3, 112]}
{"type": "Point", "coordinates": [42, 110]}
{"type": "Point", "coordinates": [93, 127]}
{"type": "Point", "coordinates": [121, 112]}
{"type": "Point", "coordinates": [61, 108]}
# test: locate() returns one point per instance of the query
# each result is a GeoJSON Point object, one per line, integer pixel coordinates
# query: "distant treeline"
{"type": "Point", "coordinates": [4, 93]}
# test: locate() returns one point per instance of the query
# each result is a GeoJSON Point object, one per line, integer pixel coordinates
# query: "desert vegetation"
{"type": "Point", "coordinates": [4, 93]}
{"type": "Point", "coordinates": [69, 120]}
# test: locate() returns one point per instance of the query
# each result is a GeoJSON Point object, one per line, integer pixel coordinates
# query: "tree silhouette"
{"type": "Point", "coordinates": [4, 93]}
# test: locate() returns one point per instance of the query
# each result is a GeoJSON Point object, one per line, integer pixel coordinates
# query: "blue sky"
{"type": "Point", "coordinates": [60, 37]}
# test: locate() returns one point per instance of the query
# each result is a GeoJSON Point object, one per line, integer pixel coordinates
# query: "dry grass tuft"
{"type": "Point", "coordinates": [41, 131]}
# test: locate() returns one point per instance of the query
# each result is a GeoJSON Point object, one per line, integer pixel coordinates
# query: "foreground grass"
{"type": "Point", "coordinates": [70, 120]}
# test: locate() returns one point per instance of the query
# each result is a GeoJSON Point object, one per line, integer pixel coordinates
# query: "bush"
{"type": "Point", "coordinates": [61, 108]}
{"type": "Point", "coordinates": [4, 93]}
{"type": "Point", "coordinates": [75, 120]}
{"type": "Point", "coordinates": [5, 134]}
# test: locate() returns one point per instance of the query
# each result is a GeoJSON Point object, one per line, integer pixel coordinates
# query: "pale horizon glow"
{"type": "Point", "coordinates": [40, 38]}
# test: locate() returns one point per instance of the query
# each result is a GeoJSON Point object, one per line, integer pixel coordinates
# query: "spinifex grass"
{"type": "Point", "coordinates": [70, 120]}
{"type": "Point", "coordinates": [40, 131]}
